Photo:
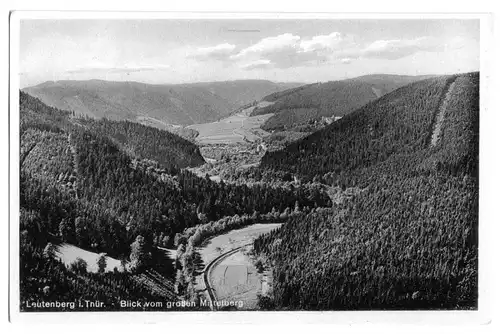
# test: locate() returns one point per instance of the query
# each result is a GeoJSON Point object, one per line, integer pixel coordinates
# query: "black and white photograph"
{"type": "Point", "coordinates": [270, 164]}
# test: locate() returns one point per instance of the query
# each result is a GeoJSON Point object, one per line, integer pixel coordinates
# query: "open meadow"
{"type": "Point", "coordinates": [69, 253]}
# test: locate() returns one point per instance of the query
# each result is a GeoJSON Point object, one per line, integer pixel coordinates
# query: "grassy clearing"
{"type": "Point", "coordinates": [68, 254]}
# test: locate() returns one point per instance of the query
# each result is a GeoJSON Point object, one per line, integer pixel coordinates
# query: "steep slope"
{"type": "Point", "coordinates": [398, 122]}
{"type": "Point", "coordinates": [110, 171]}
{"type": "Point", "coordinates": [141, 141]}
{"type": "Point", "coordinates": [307, 104]}
{"type": "Point", "coordinates": [330, 98]}
{"type": "Point", "coordinates": [386, 83]}
{"type": "Point", "coordinates": [408, 237]}
{"type": "Point", "coordinates": [157, 105]}
{"type": "Point", "coordinates": [144, 142]}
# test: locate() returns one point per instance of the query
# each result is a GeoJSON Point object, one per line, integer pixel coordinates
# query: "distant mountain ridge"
{"type": "Point", "coordinates": [154, 104]}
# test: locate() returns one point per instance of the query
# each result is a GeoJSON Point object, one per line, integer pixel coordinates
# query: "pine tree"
{"type": "Point", "coordinates": [81, 231]}
{"type": "Point", "coordinates": [49, 250]}
{"type": "Point", "coordinates": [66, 230]}
{"type": "Point", "coordinates": [138, 256]}
{"type": "Point", "coordinates": [101, 263]}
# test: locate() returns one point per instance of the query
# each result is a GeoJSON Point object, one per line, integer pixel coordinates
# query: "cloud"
{"type": "Point", "coordinates": [323, 42]}
{"type": "Point", "coordinates": [282, 51]}
{"type": "Point", "coordinates": [289, 50]}
{"type": "Point", "coordinates": [220, 52]}
{"type": "Point", "coordinates": [270, 45]}
{"type": "Point", "coordinates": [397, 48]}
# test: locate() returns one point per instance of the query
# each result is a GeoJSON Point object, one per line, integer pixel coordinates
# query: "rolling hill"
{"type": "Point", "coordinates": [157, 105]}
{"type": "Point", "coordinates": [307, 104]}
{"type": "Point", "coordinates": [403, 232]}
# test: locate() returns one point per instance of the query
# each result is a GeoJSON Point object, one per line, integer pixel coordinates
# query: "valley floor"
{"type": "Point", "coordinates": [238, 128]}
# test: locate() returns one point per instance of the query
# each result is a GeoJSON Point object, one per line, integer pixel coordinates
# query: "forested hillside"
{"type": "Point", "coordinates": [408, 238]}
{"type": "Point", "coordinates": [279, 95]}
{"type": "Point", "coordinates": [306, 104]}
{"type": "Point", "coordinates": [145, 142]}
{"type": "Point", "coordinates": [116, 188]}
{"type": "Point", "coordinates": [59, 162]}
{"type": "Point", "coordinates": [330, 98]}
{"type": "Point", "coordinates": [386, 83]}
{"type": "Point", "coordinates": [367, 136]}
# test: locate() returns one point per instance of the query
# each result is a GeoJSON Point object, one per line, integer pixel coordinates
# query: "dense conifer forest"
{"type": "Point", "coordinates": [144, 142]}
{"type": "Point", "coordinates": [408, 239]}
{"type": "Point", "coordinates": [335, 97]}
{"type": "Point", "coordinates": [298, 109]}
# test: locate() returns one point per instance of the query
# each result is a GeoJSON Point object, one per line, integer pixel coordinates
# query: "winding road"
{"type": "Point", "coordinates": [208, 270]}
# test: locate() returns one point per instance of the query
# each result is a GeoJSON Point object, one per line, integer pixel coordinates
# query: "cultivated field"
{"type": "Point", "coordinates": [238, 128]}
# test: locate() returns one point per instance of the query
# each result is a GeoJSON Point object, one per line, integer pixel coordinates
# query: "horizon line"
{"type": "Point", "coordinates": [243, 79]}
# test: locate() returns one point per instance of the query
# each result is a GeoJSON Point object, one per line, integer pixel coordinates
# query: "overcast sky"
{"type": "Point", "coordinates": [179, 51]}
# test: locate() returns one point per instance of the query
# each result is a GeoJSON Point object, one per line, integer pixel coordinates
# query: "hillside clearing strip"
{"type": "Point", "coordinates": [441, 113]}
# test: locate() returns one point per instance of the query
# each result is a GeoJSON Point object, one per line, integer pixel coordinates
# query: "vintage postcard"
{"type": "Point", "coordinates": [192, 164]}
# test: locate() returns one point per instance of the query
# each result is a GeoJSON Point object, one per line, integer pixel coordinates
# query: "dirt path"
{"type": "Point", "coordinates": [441, 114]}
